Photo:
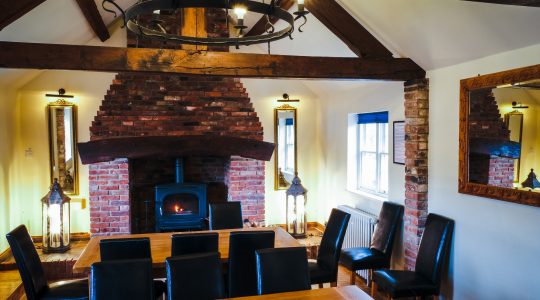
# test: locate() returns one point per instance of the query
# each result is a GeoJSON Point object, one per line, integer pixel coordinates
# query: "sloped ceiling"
{"type": "Point", "coordinates": [439, 33]}
{"type": "Point", "coordinates": [434, 33]}
{"type": "Point", "coordinates": [55, 22]}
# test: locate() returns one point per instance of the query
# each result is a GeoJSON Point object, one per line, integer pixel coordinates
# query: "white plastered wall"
{"type": "Point", "coordinates": [495, 247]}
{"type": "Point", "coordinates": [7, 142]}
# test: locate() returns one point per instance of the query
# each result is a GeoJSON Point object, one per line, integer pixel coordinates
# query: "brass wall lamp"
{"type": "Point", "coordinates": [286, 98]}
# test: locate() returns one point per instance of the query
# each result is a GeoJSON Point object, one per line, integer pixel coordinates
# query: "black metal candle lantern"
{"type": "Point", "coordinates": [56, 209]}
{"type": "Point", "coordinates": [531, 181]}
{"type": "Point", "coordinates": [296, 209]}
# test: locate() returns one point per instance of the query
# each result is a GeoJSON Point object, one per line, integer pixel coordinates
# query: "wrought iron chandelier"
{"type": "Point", "coordinates": [270, 10]}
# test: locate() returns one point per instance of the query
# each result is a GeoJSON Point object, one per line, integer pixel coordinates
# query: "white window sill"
{"type": "Point", "coordinates": [368, 195]}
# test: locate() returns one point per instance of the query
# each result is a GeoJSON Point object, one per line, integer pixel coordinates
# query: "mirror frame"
{"type": "Point", "coordinates": [63, 103]}
{"type": "Point", "coordinates": [483, 190]}
{"type": "Point", "coordinates": [285, 107]}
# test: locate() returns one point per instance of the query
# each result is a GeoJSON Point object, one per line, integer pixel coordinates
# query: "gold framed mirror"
{"type": "Point", "coordinates": [497, 156]}
{"type": "Point", "coordinates": [285, 138]}
{"type": "Point", "coordinates": [62, 125]}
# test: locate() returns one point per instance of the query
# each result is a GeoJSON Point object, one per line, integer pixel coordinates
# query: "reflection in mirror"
{"type": "Point", "coordinates": [514, 123]}
{"type": "Point", "coordinates": [503, 151]}
{"type": "Point", "coordinates": [498, 157]}
{"type": "Point", "coordinates": [62, 145]}
{"type": "Point", "coordinates": [286, 153]}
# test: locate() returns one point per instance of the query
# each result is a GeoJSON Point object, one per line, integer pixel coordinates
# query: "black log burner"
{"type": "Point", "coordinates": [180, 205]}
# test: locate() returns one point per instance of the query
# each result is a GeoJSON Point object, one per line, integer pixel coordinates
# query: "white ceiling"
{"type": "Point", "coordinates": [439, 33]}
{"type": "Point", "coordinates": [434, 33]}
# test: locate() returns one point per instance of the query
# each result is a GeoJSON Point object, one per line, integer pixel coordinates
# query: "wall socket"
{"type": "Point", "coordinates": [28, 153]}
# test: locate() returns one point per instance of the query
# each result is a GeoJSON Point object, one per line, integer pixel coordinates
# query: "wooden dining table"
{"type": "Point", "coordinates": [349, 292]}
{"type": "Point", "coordinates": [160, 244]}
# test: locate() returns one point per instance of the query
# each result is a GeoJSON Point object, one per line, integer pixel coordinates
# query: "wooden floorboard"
{"type": "Point", "coordinates": [10, 282]}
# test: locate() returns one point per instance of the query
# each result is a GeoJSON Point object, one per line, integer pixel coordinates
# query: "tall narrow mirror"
{"type": "Point", "coordinates": [62, 119]}
{"type": "Point", "coordinates": [286, 148]}
{"type": "Point", "coordinates": [514, 123]}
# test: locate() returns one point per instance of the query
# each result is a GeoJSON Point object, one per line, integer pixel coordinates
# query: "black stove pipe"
{"type": "Point", "coordinates": [179, 170]}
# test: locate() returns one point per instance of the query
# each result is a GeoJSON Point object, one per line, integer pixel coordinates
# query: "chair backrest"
{"type": "Point", "coordinates": [390, 218]}
{"type": "Point", "coordinates": [28, 262]}
{"type": "Point", "coordinates": [122, 279]}
{"type": "Point", "coordinates": [282, 270]}
{"type": "Point", "coordinates": [226, 216]}
{"type": "Point", "coordinates": [195, 276]}
{"type": "Point", "coordinates": [121, 249]}
{"type": "Point", "coordinates": [242, 270]}
{"type": "Point", "coordinates": [192, 243]}
{"type": "Point", "coordinates": [434, 247]}
{"type": "Point", "coordinates": [332, 241]}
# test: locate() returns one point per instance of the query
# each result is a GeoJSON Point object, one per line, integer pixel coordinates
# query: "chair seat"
{"type": "Point", "coordinates": [404, 283]}
{"type": "Point", "coordinates": [318, 274]}
{"type": "Point", "coordinates": [64, 290]}
{"type": "Point", "coordinates": [361, 258]}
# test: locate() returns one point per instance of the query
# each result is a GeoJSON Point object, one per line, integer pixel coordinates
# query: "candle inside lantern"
{"type": "Point", "coordinates": [55, 224]}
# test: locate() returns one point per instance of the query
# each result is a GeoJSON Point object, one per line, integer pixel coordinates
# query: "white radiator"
{"type": "Point", "coordinates": [359, 231]}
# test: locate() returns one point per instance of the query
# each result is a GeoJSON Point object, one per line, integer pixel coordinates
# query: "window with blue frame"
{"type": "Point", "coordinates": [372, 152]}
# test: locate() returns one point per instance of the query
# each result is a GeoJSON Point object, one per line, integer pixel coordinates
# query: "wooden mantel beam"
{"type": "Point", "coordinates": [11, 10]}
{"type": "Point", "coordinates": [91, 13]}
{"type": "Point", "coordinates": [109, 59]}
{"type": "Point", "coordinates": [534, 3]}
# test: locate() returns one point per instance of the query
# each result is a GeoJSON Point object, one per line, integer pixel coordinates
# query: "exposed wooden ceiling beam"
{"type": "Point", "coordinates": [110, 59]}
{"type": "Point", "coordinates": [347, 28]}
{"type": "Point", "coordinates": [11, 10]}
{"type": "Point", "coordinates": [535, 3]}
{"type": "Point", "coordinates": [260, 26]}
{"type": "Point", "coordinates": [91, 13]}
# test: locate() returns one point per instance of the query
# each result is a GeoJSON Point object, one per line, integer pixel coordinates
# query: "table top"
{"type": "Point", "coordinates": [338, 293]}
{"type": "Point", "coordinates": [160, 244]}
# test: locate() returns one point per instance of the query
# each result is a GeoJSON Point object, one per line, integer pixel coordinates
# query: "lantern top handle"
{"type": "Point", "coordinates": [296, 188]}
{"type": "Point", "coordinates": [56, 194]}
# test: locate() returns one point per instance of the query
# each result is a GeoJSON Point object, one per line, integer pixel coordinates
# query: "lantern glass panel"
{"type": "Point", "coordinates": [56, 226]}
{"type": "Point", "coordinates": [296, 215]}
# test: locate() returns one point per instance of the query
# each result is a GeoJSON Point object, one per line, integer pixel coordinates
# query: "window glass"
{"type": "Point", "coordinates": [372, 155]}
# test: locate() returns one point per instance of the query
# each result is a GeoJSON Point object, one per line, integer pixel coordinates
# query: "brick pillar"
{"type": "Point", "coordinates": [109, 198]}
{"type": "Point", "coordinates": [416, 166]}
{"type": "Point", "coordinates": [245, 180]}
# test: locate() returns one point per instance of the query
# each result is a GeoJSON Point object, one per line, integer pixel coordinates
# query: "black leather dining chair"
{"type": "Point", "coordinates": [242, 272]}
{"type": "Point", "coordinates": [122, 279]}
{"type": "Point", "coordinates": [192, 243]}
{"type": "Point", "coordinates": [425, 280]}
{"type": "Point", "coordinates": [120, 249]}
{"type": "Point", "coordinates": [195, 276]}
{"type": "Point", "coordinates": [127, 249]}
{"type": "Point", "coordinates": [225, 216]}
{"type": "Point", "coordinates": [32, 273]}
{"type": "Point", "coordinates": [325, 269]}
{"type": "Point", "coordinates": [379, 253]}
{"type": "Point", "coordinates": [282, 270]}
